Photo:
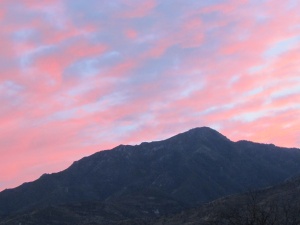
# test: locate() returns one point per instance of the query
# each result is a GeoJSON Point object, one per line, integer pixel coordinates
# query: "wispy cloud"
{"type": "Point", "coordinates": [76, 78]}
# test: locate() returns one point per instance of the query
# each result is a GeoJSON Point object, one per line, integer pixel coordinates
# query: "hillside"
{"type": "Point", "coordinates": [277, 205]}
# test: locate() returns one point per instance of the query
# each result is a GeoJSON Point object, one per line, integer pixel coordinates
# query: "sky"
{"type": "Point", "coordinates": [78, 76]}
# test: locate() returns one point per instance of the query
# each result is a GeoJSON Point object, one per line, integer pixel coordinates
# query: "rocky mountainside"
{"type": "Point", "coordinates": [155, 178]}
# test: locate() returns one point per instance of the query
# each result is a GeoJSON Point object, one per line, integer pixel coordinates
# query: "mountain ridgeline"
{"type": "Point", "coordinates": [156, 178]}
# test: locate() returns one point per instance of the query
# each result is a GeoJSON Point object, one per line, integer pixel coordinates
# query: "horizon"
{"type": "Point", "coordinates": [77, 78]}
{"type": "Point", "coordinates": [137, 144]}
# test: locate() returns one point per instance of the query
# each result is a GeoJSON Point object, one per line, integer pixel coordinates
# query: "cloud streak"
{"type": "Point", "coordinates": [76, 78]}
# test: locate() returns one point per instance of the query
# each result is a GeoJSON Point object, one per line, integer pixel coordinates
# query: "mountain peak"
{"type": "Point", "coordinates": [203, 132]}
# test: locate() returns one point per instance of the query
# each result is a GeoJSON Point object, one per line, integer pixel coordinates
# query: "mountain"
{"type": "Point", "coordinates": [151, 179]}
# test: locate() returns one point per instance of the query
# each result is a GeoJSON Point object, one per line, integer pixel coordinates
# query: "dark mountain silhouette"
{"type": "Point", "coordinates": [150, 179]}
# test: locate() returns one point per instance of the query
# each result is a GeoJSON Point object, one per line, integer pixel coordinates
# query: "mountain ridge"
{"type": "Point", "coordinates": [189, 169]}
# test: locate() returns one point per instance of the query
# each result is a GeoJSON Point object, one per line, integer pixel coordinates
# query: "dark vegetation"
{"type": "Point", "coordinates": [278, 205]}
{"type": "Point", "coordinates": [181, 180]}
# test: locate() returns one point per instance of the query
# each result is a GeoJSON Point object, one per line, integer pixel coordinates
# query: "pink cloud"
{"type": "Point", "coordinates": [53, 64]}
{"type": "Point", "coordinates": [192, 33]}
{"type": "Point", "coordinates": [137, 9]}
{"type": "Point", "coordinates": [226, 7]}
{"type": "Point", "coordinates": [195, 67]}
{"type": "Point", "coordinates": [2, 14]}
{"type": "Point", "coordinates": [278, 129]}
{"type": "Point", "coordinates": [131, 33]}
{"type": "Point", "coordinates": [122, 69]}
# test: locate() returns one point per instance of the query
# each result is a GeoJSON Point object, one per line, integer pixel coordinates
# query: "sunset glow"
{"type": "Point", "coordinates": [78, 76]}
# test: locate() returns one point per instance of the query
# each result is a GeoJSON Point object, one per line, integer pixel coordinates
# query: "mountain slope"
{"type": "Point", "coordinates": [129, 210]}
{"type": "Point", "coordinates": [190, 168]}
{"type": "Point", "coordinates": [276, 205]}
